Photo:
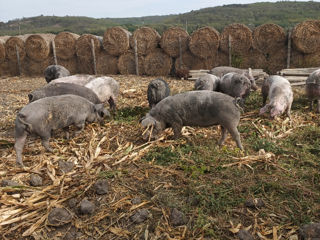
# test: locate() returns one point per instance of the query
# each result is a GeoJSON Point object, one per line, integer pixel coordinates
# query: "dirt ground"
{"type": "Point", "coordinates": [166, 189]}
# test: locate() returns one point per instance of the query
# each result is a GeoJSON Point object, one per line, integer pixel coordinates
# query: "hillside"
{"type": "Point", "coordinates": [285, 14]}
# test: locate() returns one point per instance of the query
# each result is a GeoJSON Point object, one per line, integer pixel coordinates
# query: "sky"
{"type": "Point", "coordinates": [13, 9]}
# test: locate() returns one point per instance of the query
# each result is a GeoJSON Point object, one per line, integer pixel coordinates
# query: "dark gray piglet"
{"type": "Point", "coordinates": [56, 89]}
{"type": "Point", "coordinates": [195, 108]}
{"type": "Point", "coordinates": [280, 94]}
{"type": "Point", "coordinates": [313, 89]}
{"type": "Point", "coordinates": [223, 70]}
{"type": "Point", "coordinates": [44, 115]}
{"type": "Point", "coordinates": [158, 89]}
{"type": "Point", "coordinates": [55, 71]}
{"type": "Point", "coordinates": [207, 82]}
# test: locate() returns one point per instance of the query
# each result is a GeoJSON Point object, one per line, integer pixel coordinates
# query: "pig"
{"type": "Point", "coordinates": [194, 108]}
{"type": "Point", "coordinates": [235, 85]}
{"type": "Point", "coordinates": [158, 89]}
{"type": "Point", "coordinates": [55, 71]}
{"type": "Point", "coordinates": [279, 91]}
{"type": "Point", "coordinates": [46, 114]}
{"type": "Point", "coordinates": [106, 88]}
{"type": "Point", "coordinates": [207, 82]}
{"type": "Point", "coordinates": [222, 70]}
{"type": "Point", "coordinates": [313, 89]}
{"type": "Point", "coordinates": [56, 89]}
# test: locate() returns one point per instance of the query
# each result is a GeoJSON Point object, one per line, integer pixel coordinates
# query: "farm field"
{"type": "Point", "coordinates": [209, 189]}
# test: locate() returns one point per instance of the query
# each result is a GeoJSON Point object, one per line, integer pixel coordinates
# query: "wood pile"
{"type": "Point", "coordinates": [296, 76]}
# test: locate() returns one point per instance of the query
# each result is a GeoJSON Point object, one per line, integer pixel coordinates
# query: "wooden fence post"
{"type": "Point", "coordinates": [54, 53]}
{"type": "Point", "coordinates": [136, 59]}
{"type": "Point", "coordinates": [94, 57]}
{"type": "Point", "coordinates": [289, 49]}
{"type": "Point", "coordinates": [229, 50]}
{"type": "Point", "coordinates": [18, 60]}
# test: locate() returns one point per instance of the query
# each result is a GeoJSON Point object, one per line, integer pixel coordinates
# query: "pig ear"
{"type": "Point", "coordinates": [30, 96]}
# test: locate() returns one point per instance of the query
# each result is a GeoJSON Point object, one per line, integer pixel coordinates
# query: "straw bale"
{"type": "Point", "coordinates": [147, 40]}
{"type": "Point", "coordinates": [83, 46]}
{"type": "Point", "coordinates": [306, 36]}
{"type": "Point", "coordinates": [269, 38]}
{"type": "Point", "coordinates": [38, 46]}
{"type": "Point", "coordinates": [204, 42]}
{"type": "Point", "coordinates": [170, 41]}
{"type": "Point", "coordinates": [157, 63]}
{"type": "Point", "coordinates": [11, 47]}
{"type": "Point", "coordinates": [8, 68]}
{"type": "Point", "coordinates": [241, 38]}
{"type": "Point", "coordinates": [2, 48]}
{"type": "Point", "coordinates": [85, 66]}
{"type": "Point", "coordinates": [107, 64]}
{"type": "Point", "coordinates": [276, 61]}
{"type": "Point", "coordinates": [116, 40]}
{"type": "Point", "coordinates": [71, 64]}
{"type": "Point", "coordinates": [127, 64]}
{"type": "Point", "coordinates": [65, 43]}
{"type": "Point", "coordinates": [192, 62]}
{"type": "Point", "coordinates": [301, 60]}
{"type": "Point", "coordinates": [30, 67]}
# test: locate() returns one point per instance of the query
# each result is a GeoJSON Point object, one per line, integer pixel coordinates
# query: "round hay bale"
{"type": "Point", "coordinates": [30, 67]}
{"type": "Point", "coordinates": [8, 68]}
{"type": "Point", "coordinates": [306, 36]}
{"type": "Point", "coordinates": [84, 46]}
{"type": "Point", "coordinates": [192, 62]}
{"type": "Point", "coordinates": [269, 38]}
{"type": "Point", "coordinates": [241, 38]}
{"type": "Point", "coordinates": [301, 60]}
{"type": "Point", "coordinates": [85, 66]}
{"type": "Point", "coordinates": [71, 64]}
{"type": "Point", "coordinates": [147, 40]}
{"type": "Point", "coordinates": [127, 64]}
{"type": "Point", "coordinates": [204, 42]}
{"type": "Point", "coordinates": [38, 46]}
{"type": "Point", "coordinates": [116, 41]}
{"type": "Point", "coordinates": [157, 63]}
{"type": "Point", "coordinates": [11, 44]}
{"type": "Point", "coordinates": [3, 48]}
{"type": "Point", "coordinates": [276, 61]}
{"type": "Point", "coordinates": [65, 43]}
{"type": "Point", "coordinates": [107, 64]}
{"type": "Point", "coordinates": [170, 41]}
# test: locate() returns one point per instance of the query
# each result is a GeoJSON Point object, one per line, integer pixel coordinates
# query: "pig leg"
{"type": "Point", "coordinates": [223, 136]}
{"type": "Point", "coordinates": [318, 106]}
{"type": "Point", "coordinates": [289, 111]}
{"type": "Point", "coordinates": [236, 136]}
{"type": "Point", "coordinates": [18, 147]}
{"type": "Point", "coordinates": [112, 104]}
{"type": "Point", "coordinates": [176, 130]}
{"type": "Point", "coordinates": [45, 142]}
{"type": "Point", "coordinates": [311, 104]}
{"type": "Point", "coordinates": [80, 126]}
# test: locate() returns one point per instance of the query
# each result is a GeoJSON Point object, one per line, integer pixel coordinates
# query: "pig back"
{"type": "Point", "coordinates": [79, 79]}
{"type": "Point", "coordinates": [104, 87]}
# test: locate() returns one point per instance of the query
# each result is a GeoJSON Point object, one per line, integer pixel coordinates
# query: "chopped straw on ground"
{"type": "Point", "coordinates": [306, 36]}
{"type": "Point", "coordinates": [147, 40]}
{"type": "Point", "coordinates": [204, 42]}
{"type": "Point", "coordinates": [269, 38]}
{"type": "Point", "coordinates": [38, 46]}
{"type": "Point", "coordinates": [65, 43]}
{"type": "Point", "coordinates": [116, 41]}
{"type": "Point", "coordinates": [170, 41]}
{"type": "Point", "coordinates": [241, 38]}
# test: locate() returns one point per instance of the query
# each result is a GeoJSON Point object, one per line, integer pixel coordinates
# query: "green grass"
{"type": "Point", "coordinates": [130, 114]}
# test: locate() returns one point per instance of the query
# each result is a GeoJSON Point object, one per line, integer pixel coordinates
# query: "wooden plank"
{"type": "Point", "coordinates": [297, 71]}
{"type": "Point", "coordinates": [296, 78]}
{"type": "Point", "coordinates": [298, 83]}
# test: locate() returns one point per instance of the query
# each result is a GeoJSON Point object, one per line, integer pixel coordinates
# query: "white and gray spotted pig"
{"type": "Point", "coordinates": [44, 115]}
{"type": "Point", "coordinates": [106, 88]}
{"type": "Point", "coordinates": [223, 70]}
{"type": "Point", "coordinates": [313, 89]}
{"type": "Point", "coordinates": [55, 71]}
{"type": "Point", "coordinates": [207, 82]}
{"type": "Point", "coordinates": [194, 108]}
{"type": "Point", "coordinates": [279, 92]}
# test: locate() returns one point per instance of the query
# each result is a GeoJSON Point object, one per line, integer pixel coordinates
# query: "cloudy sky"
{"type": "Point", "coordinates": [12, 9]}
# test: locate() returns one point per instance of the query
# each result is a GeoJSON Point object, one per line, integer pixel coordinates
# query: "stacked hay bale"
{"type": "Point", "coordinates": [270, 40]}
{"type": "Point", "coordinates": [3, 59]}
{"type": "Point", "coordinates": [39, 54]}
{"type": "Point", "coordinates": [127, 64]}
{"type": "Point", "coordinates": [306, 43]}
{"type": "Point", "coordinates": [204, 44]}
{"type": "Point", "coordinates": [85, 53]}
{"type": "Point", "coordinates": [157, 63]}
{"type": "Point", "coordinates": [106, 63]}
{"type": "Point", "coordinates": [65, 46]}
{"type": "Point", "coordinates": [241, 43]}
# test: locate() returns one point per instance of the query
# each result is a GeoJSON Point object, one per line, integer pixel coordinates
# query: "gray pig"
{"type": "Point", "coordinates": [50, 113]}
{"type": "Point", "coordinates": [313, 89]}
{"type": "Point", "coordinates": [207, 82]}
{"type": "Point", "coordinates": [55, 71]}
{"type": "Point", "coordinates": [222, 70]}
{"type": "Point", "coordinates": [195, 108]}
{"type": "Point", "coordinates": [279, 91]}
{"type": "Point", "coordinates": [106, 88]}
{"type": "Point", "coordinates": [158, 89]}
{"type": "Point", "coordinates": [235, 85]}
{"type": "Point", "coordinates": [56, 89]}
